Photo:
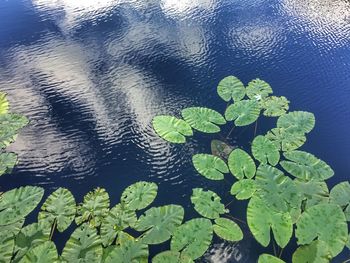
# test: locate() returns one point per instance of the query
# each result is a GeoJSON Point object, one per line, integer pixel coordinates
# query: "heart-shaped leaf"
{"type": "Point", "coordinates": [258, 89]}
{"type": "Point", "coordinates": [340, 195]}
{"type": "Point", "coordinates": [241, 164]}
{"type": "Point", "coordinates": [312, 192]}
{"type": "Point", "coordinates": [297, 122]}
{"type": "Point", "coordinates": [285, 140]}
{"type": "Point", "coordinates": [243, 112]}
{"type": "Point", "coordinates": [266, 258]}
{"type": "Point", "coordinates": [7, 162]}
{"type": "Point", "coordinates": [316, 252]}
{"type": "Point", "coordinates": [43, 253]}
{"type": "Point", "coordinates": [139, 195]}
{"type": "Point", "coordinates": [227, 229]}
{"type": "Point", "coordinates": [210, 166]}
{"type": "Point", "coordinates": [170, 256]}
{"type": "Point", "coordinates": [265, 151]}
{"type": "Point", "coordinates": [243, 189]}
{"type": "Point", "coordinates": [231, 88]}
{"type": "Point", "coordinates": [275, 106]}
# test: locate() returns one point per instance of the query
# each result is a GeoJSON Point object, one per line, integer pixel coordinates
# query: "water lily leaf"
{"type": "Point", "coordinates": [306, 166]}
{"type": "Point", "coordinates": [84, 245]}
{"type": "Point", "coordinates": [227, 229]}
{"type": "Point", "coordinates": [139, 195]}
{"type": "Point", "coordinates": [207, 203]}
{"type": "Point", "coordinates": [275, 106]}
{"type": "Point", "coordinates": [261, 219]}
{"type": "Point", "coordinates": [243, 189]}
{"type": "Point", "coordinates": [312, 192]}
{"type": "Point", "coordinates": [210, 166]}
{"type": "Point", "coordinates": [171, 129]}
{"type": "Point", "coordinates": [243, 112]}
{"type": "Point", "coordinates": [266, 258]}
{"type": "Point", "coordinates": [43, 253]}
{"type": "Point", "coordinates": [59, 208]}
{"type": "Point", "coordinates": [231, 88]}
{"type": "Point", "coordinates": [7, 162]}
{"type": "Point", "coordinates": [316, 252]}
{"type": "Point", "coordinates": [160, 223]}
{"type": "Point", "coordinates": [258, 89]}
{"type": "Point", "coordinates": [285, 140]}
{"type": "Point", "coordinates": [18, 203]}
{"type": "Point", "coordinates": [348, 243]}
{"type": "Point", "coordinates": [170, 256]}
{"type": "Point", "coordinates": [193, 237]}
{"type": "Point", "coordinates": [7, 136]}
{"type": "Point", "coordinates": [220, 149]}
{"type": "Point", "coordinates": [4, 104]}
{"type": "Point", "coordinates": [118, 218]}
{"type": "Point", "coordinates": [94, 208]}
{"type": "Point", "coordinates": [340, 195]}
{"type": "Point", "coordinates": [241, 164]}
{"type": "Point", "coordinates": [327, 223]}
{"type": "Point", "coordinates": [297, 122]}
{"type": "Point", "coordinates": [203, 119]}
{"type": "Point", "coordinates": [13, 121]}
{"type": "Point", "coordinates": [7, 239]}
{"type": "Point", "coordinates": [265, 151]}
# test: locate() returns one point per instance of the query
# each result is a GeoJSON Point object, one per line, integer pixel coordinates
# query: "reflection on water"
{"type": "Point", "coordinates": [90, 75]}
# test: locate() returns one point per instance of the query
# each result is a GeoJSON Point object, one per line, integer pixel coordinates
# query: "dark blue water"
{"type": "Point", "coordinates": [90, 75]}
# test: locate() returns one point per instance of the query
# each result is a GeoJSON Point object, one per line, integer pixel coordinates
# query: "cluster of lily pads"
{"type": "Point", "coordinates": [285, 186]}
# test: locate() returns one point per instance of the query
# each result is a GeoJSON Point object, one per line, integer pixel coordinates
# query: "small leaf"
{"type": "Point", "coordinates": [265, 151]}
{"type": "Point", "coordinates": [266, 258]}
{"type": "Point", "coordinates": [275, 106]}
{"type": "Point", "coordinates": [243, 189]}
{"type": "Point", "coordinates": [297, 122]}
{"type": "Point", "coordinates": [139, 195]}
{"type": "Point", "coordinates": [316, 252]}
{"type": "Point", "coordinates": [227, 229]}
{"type": "Point", "coordinates": [210, 166]}
{"type": "Point", "coordinates": [4, 104]}
{"type": "Point", "coordinates": [203, 119]}
{"type": "Point", "coordinates": [258, 89]}
{"type": "Point", "coordinates": [7, 162]}
{"type": "Point", "coordinates": [340, 195]}
{"type": "Point", "coordinates": [170, 256]}
{"type": "Point", "coordinates": [231, 88]}
{"type": "Point", "coordinates": [43, 253]}
{"type": "Point", "coordinates": [285, 140]}
{"type": "Point", "coordinates": [243, 112]}
{"type": "Point", "coordinates": [241, 164]}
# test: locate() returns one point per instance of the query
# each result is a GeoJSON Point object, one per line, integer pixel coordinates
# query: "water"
{"type": "Point", "coordinates": [90, 75]}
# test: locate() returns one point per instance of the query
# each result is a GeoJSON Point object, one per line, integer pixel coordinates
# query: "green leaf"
{"type": "Point", "coordinates": [210, 166]}
{"type": "Point", "coordinates": [59, 207]}
{"type": "Point", "coordinates": [258, 89]}
{"type": "Point", "coordinates": [312, 192]}
{"type": "Point", "coordinates": [118, 218]}
{"type": "Point", "coordinates": [84, 245]}
{"type": "Point", "coordinates": [94, 208]}
{"type": "Point", "coordinates": [13, 121]}
{"type": "Point", "coordinates": [348, 243]}
{"type": "Point", "coordinates": [193, 237]}
{"type": "Point", "coordinates": [340, 195]}
{"type": "Point", "coordinates": [266, 258]}
{"type": "Point", "coordinates": [306, 166]}
{"type": "Point", "coordinates": [227, 229]}
{"type": "Point", "coordinates": [18, 203]}
{"type": "Point", "coordinates": [265, 151]}
{"type": "Point", "coordinates": [4, 104]}
{"type": "Point", "coordinates": [327, 223]}
{"type": "Point", "coordinates": [160, 223]}
{"type": "Point", "coordinates": [7, 162]}
{"type": "Point", "coordinates": [261, 219]}
{"type": "Point", "coordinates": [275, 106]}
{"type": "Point", "coordinates": [171, 129]}
{"type": "Point", "coordinates": [139, 195]}
{"type": "Point", "coordinates": [171, 257]}
{"type": "Point", "coordinates": [241, 164]}
{"type": "Point", "coordinates": [43, 253]}
{"type": "Point", "coordinates": [207, 203]}
{"type": "Point", "coordinates": [231, 88]}
{"type": "Point", "coordinates": [203, 119]}
{"type": "Point", "coordinates": [220, 149]}
{"type": "Point", "coordinates": [243, 189]}
{"type": "Point", "coordinates": [316, 252]}
{"type": "Point", "coordinates": [243, 112]}
{"type": "Point", "coordinates": [7, 136]}
{"type": "Point", "coordinates": [285, 140]}
{"type": "Point", "coordinates": [297, 122]}
{"type": "Point", "coordinates": [7, 239]}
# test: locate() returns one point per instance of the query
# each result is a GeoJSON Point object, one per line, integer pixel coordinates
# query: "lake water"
{"type": "Point", "coordinates": [91, 74]}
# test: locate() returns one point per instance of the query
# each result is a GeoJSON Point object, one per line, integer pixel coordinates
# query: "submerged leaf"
{"type": "Point", "coordinates": [171, 129]}
{"type": "Point", "coordinates": [243, 189]}
{"type": "Point", "coordinates": [43, 253]}
{"type": "Point", "coordinates": [241, 164]}
{"type": "Point", "coordinates": [139, 195]}
{"type": "Point", "coordinates": [316, 252]}
{"type": "Point", "coordinates": [227, 229]}
{"type": "Point", "coordinates": [266, 258]}
{"type": "Point", "coordinates": [275, 106]}
{"type": "Point", "coordinates": [258, 89]}
{"type": "Point", "coordinates": [297, 122]}
{"type": "Point", "coordinates": [210, 166]}
{"type": "Point", "coordinates": [265, 151]}
{"type": "Point", "coordinates": [243, 112]}
{"type": "Point", "coordinates": [7, 162]}
{"type": "Point", "coordinates": [203, 119]}
{"type": "Point", "coordinates": [285, 140]}
{"type": "Point", "coordinates": [220, 149]}
{"type": "Point", "coordinates": [231, 88]}
{"type": "Point", "coordinates": [170, 256]}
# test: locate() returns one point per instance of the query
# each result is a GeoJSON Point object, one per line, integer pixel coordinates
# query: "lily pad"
{"type": "Point", "coordinates": [43, 253]}
{"type": "Point", "coordinates": [316, 252]}
{"type": "Point", "coordinates": [285, 140]}
{"type": "Point", "coordinates": [241, 164]}
{"type": "Point", "coordinates": [139, 195]}
{"type": "Point", "coordinates": [275, 106]}
{"type": "Point", "coordinates": [203, 119]}
{"type": "Point", "coordinates": [340, 195]}
{"type": "Point", "coordinates": [265, 151]}
{"type": "Point", "coordinates": [266, 258]}
{"type": "Point", "coordinates": [13, 121]}
{"type": "Point", "coordinates": [170, 256]}
{"type": "Point", "coordinates": [227, 229]}
{"type": "Point", "coordinates": [258, 89]}
{"type": "Point", "coordinates": [210, 166]}
{"type": "Point", "coordinates": [171, 129]}
{"type": "Point", "coordinates": [193, 237]}
{"type": "Point", "coordinates": [207, 203]}
{"type": "Point", "coordinates": [297, 122]}
{"type": "Point", "coordinates": [7, 162]}
{"type": "Point", "coordinates": [231, 88]}
{"type": "Point", "coordinates": [4, 104]}
{"type": "Point", "coordinates": [243, 189]}
{"type": "Point", "coordinates": [243, 112]}
{"type": "Point", "coordinates": [312, 192]}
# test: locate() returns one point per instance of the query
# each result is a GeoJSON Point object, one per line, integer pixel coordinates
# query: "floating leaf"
{"type": "Point", "coordinates": [285, 140]}
{"type": "Point", "coordinates": [327, 223]}
{"type": "Point", "coordinates": [243, 112]}
{"type": "Point", "coordinates": [340, 195]}
{"type": "Point", "coordinates": [6, 248]}
{"type": "Point", "coordinates": [220, 149]}
{"type": "Point", "coordinates": [227, 229]}
{"type": "Point", "coordinates": [210, 166]}
{"type": "Point", "coordinates": [7, 136]}
{"type": "Point", "coordinates": [118, 218]}
{"type": "Point", "coordinates": [265, 151]}
{"type": "Point", "coordinates": [243, 189]}
{"type": "Point", "coordinates": [306, 166]}
{"type": "Point", "coordinates": [7, 162]}
{"type": "Point", "coordinates": [43, 253]}
{"type": "Point", "coordinates": [94, 208]}
{"type": "Point", "coordinates": [297, 122]}
{"type": "Point", "coordinates": [4, 104]}
{"type": "Point", "coordinates": [18, 203]}
{"type": "Point", "coordinates": [12, 121]}
{"type": "Point", "coordinates": [316, 252]}
{"type": "Point", "coordinates": [312, 192]}
{"type": "Point", "coordinates": [241, 164]}
{"type": "Point", "coordinates": [84, 245]}
{"type": "Point", "coordinates": [207, 203]}
{"type": "Point", "coordinates": [275, 106]}
{"type": "Point", "coordinates": [231, 88]}
{"type": "Point", "coordinates": [160, 223]}
{"type": "Point", "coordinates": [171, 257]}
{"type": "Point", "coordinates": [258, 89]}
{"type": "Point", "coordinates": [348, 243]}
{"type": "Point", "coordinates": [203, 119]}
{"type": "Point", "coordinates": [139, 195]}
{"type": "Point", "coordinates": [260, 219]}
{"type": "Point", "coordinates": [171, 129]}
{"type": "Point", "coordinates": [193, 237]}
{"type": "Point", "coordinates": [59, 208]}
{"type": "Point", "coordinates": [266, 258]}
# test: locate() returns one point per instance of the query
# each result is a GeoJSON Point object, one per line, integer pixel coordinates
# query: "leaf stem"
{"type": "Point", "coordinates": [256, 127]}
{"type": "Point", "coordinates": [274, 248]}
{"type": "Point", "coordinates": [229, 203]}
{"type": "Point", "coordinates": [53, 227]}
{"type": "Point", "coordinates": [230, 132]}
{"type": "Point", "coordinates": [346, 261]}
{"type": "Point", "coordinates": [235, 218]}
{"type": "Point", "coordinates": [280, 255]}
